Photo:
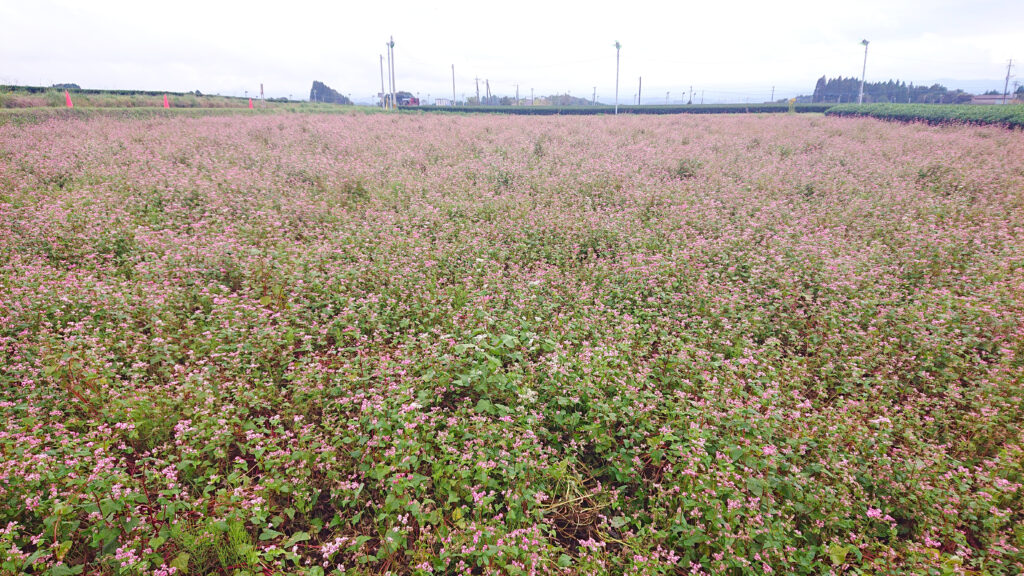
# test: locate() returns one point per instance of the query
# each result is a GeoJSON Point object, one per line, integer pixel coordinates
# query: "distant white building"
{"type": "Point", "coordinates": [995, 99]}
{"type": "Point", "coordinates": [443, 102]}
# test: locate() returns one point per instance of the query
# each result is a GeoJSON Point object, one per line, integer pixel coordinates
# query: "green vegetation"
{"type": "Point", "coordinates": [427, 344]}
{"type": "Point", "coordinates": [22, 116]}
{"type": "Point", "coordinates": [671, 109]}
{"type": "Point", "coordinates": [1011, 116]}
{"type": "Point", "coordinates": [38, 96]}
{"type": "Point", "coordinates": [839, 90]}
{"type": "Point", "coordinates": [321, 92]}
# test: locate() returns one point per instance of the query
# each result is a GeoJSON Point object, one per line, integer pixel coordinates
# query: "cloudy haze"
{"type": "Point", "coordinates": [730, 51]}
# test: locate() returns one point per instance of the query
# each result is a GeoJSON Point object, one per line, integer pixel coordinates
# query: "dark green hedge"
{"type": "Point", "coordinates": [589, 110]}
{"type": "Point", "coordinates": [45, 89]}
{"type": "Point", "coordinates": [1010, 115]}
{"type": "Point", "coordinates": [17, 116]}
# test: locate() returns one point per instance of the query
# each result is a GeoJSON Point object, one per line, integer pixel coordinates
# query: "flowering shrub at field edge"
{"type": "Point", "coordinates": [410, 344]}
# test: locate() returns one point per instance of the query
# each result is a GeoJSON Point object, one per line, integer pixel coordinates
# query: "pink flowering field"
{"type": "Point", "coordinates": [412, 344]}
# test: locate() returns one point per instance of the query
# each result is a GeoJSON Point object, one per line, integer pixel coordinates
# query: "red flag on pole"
{"type": "Point", "coordinates": [166, 103]}
{"type": "Point", "coordinates": [67, 100]}
{"type": "Point", "coordinates": [250, 103]}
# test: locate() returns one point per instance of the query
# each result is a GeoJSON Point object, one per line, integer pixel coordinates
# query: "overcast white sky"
{"type": "Point", "coordinates": [732, 50]}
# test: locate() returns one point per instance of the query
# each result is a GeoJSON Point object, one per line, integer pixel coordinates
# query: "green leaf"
{"type": "Point", "coordinates": [295, 539]}
{"type": "Point", "coordinates": [837, 553]}
{"type": "Point", "coordinates": [564, 561]}
{"type": "Point", "coordinates": [62, 550]}
{"type": "Point", "coordinates": [484, 406]}
{"type": "Point", "coordinates": [269, 534]}
{"type": "Point", "coordinates": [62, 570]}
{"type": "Point", "coordinates": [755, 486]}
{"type": "Point", "coordinates": [181, 562]}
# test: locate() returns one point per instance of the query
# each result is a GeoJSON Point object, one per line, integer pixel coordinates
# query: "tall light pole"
{"type": "Point", "coordinates": [617, 48]}
{"type": "Point", "coordinates": [1006, 85]}
{"type": "Point", "coordinates": [391, 59]}
{"type": "Point", "coordinates": [382, 99]}
{"type": "Point", "coordinates": [389, 100]}
{"type": "Point", "coordinates": [860, 97]}
{"type": "Point", "coordinates": [453, 85]}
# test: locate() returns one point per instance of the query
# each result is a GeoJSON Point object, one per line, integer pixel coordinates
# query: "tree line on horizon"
{"type": "Point", "coordinates": [842, 90]}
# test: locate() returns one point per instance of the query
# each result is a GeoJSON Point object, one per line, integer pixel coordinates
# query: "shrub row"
{"type": "Point", "coordinates": [1011, 116]}
{"type": "Point", "coordinates": [590, 110]}
{"type": "Point", "coordinates": [23, 116]}
{"type": "Point", "coordinates": [45, 89]}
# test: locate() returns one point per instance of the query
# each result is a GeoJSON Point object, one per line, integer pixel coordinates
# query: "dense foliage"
{"type": "Point", "coordinates": [20, 116]}
{"type": "Point", "coordinates": [75, 89]}
{"type": "Point", "coordinates": [659, 109]}
{"type": "Point", "coordinates": [414, 344]}
{"type": "Point", "coordinates": [1011, 115]}
{"type": "Point", "coordinates": [321, 92]}
{"type": "Point", "coordinates": [51, 98]}
{"type": "Point", "coordinates": [839, 90]}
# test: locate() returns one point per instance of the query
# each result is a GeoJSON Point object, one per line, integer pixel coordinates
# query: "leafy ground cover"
{"type": "Point", "coordinates": [416, 344]}
{"type": "Point", "coordinates": [1010, 116]}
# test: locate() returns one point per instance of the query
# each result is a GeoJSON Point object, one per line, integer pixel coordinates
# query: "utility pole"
{"type": "Point", "coordinates": [390, 100]}
{"type": "Point", "coordinates": [517, 94]}
{"type": "Point", "coordinates": [860, 97]}
{"type": "Point", "coordinates": [640, 91]}
{"type": "Point", "coordinates": [382, 81]}
{"type": "Point", "coordinates": [702, 97]}
{"type": "Point", "coordinates": [593, 101]}
{"type": "Point", "coordinates": [690, 101]}
{"type": "Point", "coordinates": [394, 84]}
{"type": "Point", "coordinates": [666, 98]}
{"type": "Point", "coordinates": [453, 84]}
{"type": "Point", "coordinates": [617, 48]}
{"type": "Point", "coordinates": [477, 91]}
{"type": "Point", "coordinates": [1007, 84]}
{"type": "Point", "coordinates": [531, 97]}
{"type": "Point", "coordinates": [487, 83]}
{"type": "Point", "coordinates": [773, 94]}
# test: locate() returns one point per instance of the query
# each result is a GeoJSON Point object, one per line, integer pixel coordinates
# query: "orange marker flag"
{"type": "Point", "coordinates": [166, 103]}
{"type": "Point", "coordinates": [67, 100]}
{"type": "Point", "coordinates": [250, 103]}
